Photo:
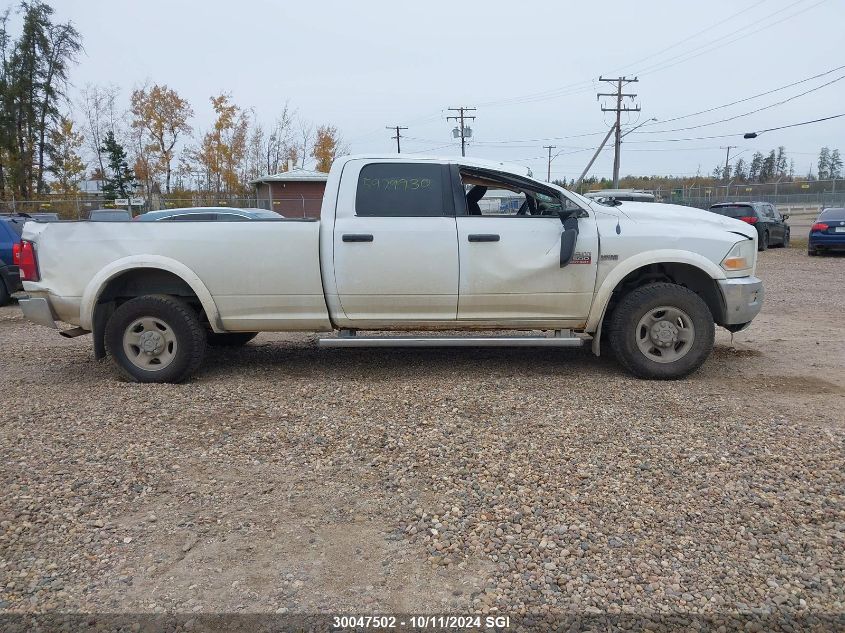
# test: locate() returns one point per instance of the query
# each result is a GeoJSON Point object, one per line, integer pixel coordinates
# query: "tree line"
{"type": "Point", "coordinates": [774, 165]}
{"type": "Point", "coordinates": [50, 143]}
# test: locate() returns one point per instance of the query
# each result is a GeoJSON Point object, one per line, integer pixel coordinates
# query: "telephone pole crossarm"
{"type": "Point", "coordinates": [619, 109]}
{"type": "Point", "coordinates": [460, 118]}
{"type": "Point", "coordinates": [397, 129]}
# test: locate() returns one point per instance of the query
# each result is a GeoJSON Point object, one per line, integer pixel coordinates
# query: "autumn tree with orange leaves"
{"type": "Point", "coordinates": [327, 146]}
{"type": "Point", "coordinates": [223, 149]}
{"type": "Point", "coordinates": [159, 118]}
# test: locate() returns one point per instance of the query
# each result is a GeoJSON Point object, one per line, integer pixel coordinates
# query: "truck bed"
{"type": "Point", "coordinates": [261, 276]}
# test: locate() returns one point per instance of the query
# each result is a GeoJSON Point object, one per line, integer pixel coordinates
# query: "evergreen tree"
{"type": "Point", "coordinates": [756, 167]}
{"type": "Point", "coordinates": [781, 166]}
{"type": "Point", "coordinates": [834, 165]}
{"type": "Point", "coordinates": [767, 171]}
{"type": "Point", "coordinates": [120, 180]}
{"type": "Point", "coordinates": [824, 163]}
{"type": "Point", "coordinates": [741, 170]}
{"type": "Point", "coordinates": [33, 78]}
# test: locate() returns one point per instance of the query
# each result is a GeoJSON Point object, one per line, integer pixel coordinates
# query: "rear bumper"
{"type": "Point", "coordinates": [743, 299]}
{"type": "Point", "coordinates": [822, 240]}
{"type": "Point", "coordinates": [38, 311]}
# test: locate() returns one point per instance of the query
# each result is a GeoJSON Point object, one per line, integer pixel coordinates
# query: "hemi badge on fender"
{"type": "Point", "coordinates": [581, 258]}
{"type": "Point", "coordinates": [608, 258]}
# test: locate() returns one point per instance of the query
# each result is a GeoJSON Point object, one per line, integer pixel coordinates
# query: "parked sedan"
{"type": "Point", "coordinates": [828, 232]}
{"type": "Point", "coordinates": [208, 214]}
{"type": "Point", "coordinates": [110, 215]}
{"type": "Point", "coordinates": [772, 230]}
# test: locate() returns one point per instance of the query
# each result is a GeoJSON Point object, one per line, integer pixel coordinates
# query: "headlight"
{"type": "Point", "coordinates": [741, 257]}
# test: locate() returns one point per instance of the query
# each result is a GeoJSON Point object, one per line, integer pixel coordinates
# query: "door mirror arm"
{"type": "Point", "coordinates": [568, 237]}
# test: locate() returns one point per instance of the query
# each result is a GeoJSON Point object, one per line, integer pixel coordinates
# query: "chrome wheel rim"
{"type": "Point", "coordinates": [149, 343]}
{"type": "Point", "coordinates": [665, 334]}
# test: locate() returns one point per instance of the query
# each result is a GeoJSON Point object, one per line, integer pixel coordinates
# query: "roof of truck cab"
{"type": "Point", "coordinates": [514, 168]}
{"type": "Point", "coordinates": [297, 174]}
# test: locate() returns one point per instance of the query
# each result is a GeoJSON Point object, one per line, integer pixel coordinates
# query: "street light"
{"type": "Point", "coordinates": [639, 126]}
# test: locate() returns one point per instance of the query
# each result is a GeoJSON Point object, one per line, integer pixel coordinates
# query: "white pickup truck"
{"type": "Point", "coordinates": [423, 245]}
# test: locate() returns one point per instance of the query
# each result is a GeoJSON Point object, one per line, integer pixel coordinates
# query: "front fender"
{"type": "Point", "coordinates": [640, 260]}
{"type": "Point", "coordinates": [95, 287]}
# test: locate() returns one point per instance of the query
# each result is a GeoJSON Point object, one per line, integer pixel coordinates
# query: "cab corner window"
{"type": "Point", "coordinates": [401, 190]}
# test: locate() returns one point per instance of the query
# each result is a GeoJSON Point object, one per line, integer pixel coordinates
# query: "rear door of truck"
{"type": "Point", "coordinates": [395, 244]}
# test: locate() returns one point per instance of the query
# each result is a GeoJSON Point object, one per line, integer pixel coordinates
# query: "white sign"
{"type": "Point", "coordinates": [121, 202]}
{"type": "Point", "coordinates": [137, 202]}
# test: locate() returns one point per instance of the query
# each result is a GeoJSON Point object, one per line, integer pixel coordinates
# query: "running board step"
{"type": "Point", "coordinates": [452, 341]}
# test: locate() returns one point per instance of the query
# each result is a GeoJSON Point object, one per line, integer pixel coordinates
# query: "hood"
{"type": "Point", "coordinates": [656, 212]}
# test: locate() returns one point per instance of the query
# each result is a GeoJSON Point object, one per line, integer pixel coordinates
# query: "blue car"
{"type": "Point", "coordinates": [828, 232]}
{"type": "Point", "coordinates": [207, 214]}
{"type": "Point", "coordinates": [11, 228]}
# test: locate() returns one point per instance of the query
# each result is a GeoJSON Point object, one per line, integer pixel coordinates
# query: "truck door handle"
{"type": "Point", "coordinates": [357, 237]}
{"type": "Point", "coordinates": [483, 237]}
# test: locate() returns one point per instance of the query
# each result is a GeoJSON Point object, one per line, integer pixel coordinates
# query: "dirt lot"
{"type": "Point", "coordinates": [286, 478]}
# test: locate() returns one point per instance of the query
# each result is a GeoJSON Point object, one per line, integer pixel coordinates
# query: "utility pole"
{"type": "Point", "coordinates": [549, 172]}
{"type": "Point", "coordinates": [398, 135]}
{"type": "Point", "coordinates": [619, 109]}
{"type": "Point", "coordinates": [463, 129]}
{"type": "Point", "coordinates": [726, 173]}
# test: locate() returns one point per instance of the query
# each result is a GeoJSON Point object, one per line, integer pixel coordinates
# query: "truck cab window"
{"type": "Point", "coordinates": [402, 190]}
{"type": "Point", "coordinates": [486, 196]}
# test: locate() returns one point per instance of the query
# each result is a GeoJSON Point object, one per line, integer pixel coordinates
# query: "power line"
{"type": "Point", "coordinates": [760, 94]}
{"type": "Point", "coordinates": [783, 127]}
{"type": "Point", "coordinates": [744, 114]}
{"type": "Point", "coordinates": [694, 35]}
{"type": "Point", "coordinates": [397, 137]}
{"type": "Point", "coordinates": [755, 28]}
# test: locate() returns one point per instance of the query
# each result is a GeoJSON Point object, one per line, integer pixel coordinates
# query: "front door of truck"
{"type": "Point", "coordinates": [395, 244]}
{"type": "Point", "coordinates": [509, 242]}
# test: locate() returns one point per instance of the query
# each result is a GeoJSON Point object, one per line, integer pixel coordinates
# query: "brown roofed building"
{"type": "Point", "coordinates": [295, 193]}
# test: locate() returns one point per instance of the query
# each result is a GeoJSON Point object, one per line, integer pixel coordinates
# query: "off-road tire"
{"type": "Point", "coordinates": [635, 305]}
{"type": "Point", "coordinates": [230, 339]}
{"type": "Point", "coordinates": [189, 333]}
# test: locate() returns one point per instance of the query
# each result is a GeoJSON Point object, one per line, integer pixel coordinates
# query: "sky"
{"type": "Point", "coordinates": [530, 68]}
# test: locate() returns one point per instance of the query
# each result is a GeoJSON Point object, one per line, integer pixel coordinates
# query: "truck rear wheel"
{"type": "Point", "coordinates": [661, 331]}
{"type": "Point", "coordinates": [230, 339]}
{"type": "Point", "coordinates": [155, 338]}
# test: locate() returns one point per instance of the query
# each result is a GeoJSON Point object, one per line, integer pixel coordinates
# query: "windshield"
{"type": "Point", "coordinates": [832, 214]}
{"type": "Point", "coordinates": [734, 210]}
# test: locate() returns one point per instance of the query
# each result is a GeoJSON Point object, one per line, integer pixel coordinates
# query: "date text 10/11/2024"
{"type": "Point", "coordinates": [458, 622]}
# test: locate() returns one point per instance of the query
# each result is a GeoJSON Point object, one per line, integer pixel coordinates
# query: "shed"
{"type": "Point", "coordinates": [295, 193]}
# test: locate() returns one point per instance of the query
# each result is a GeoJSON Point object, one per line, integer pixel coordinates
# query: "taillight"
{"type": "Point", "coordinates": [750, 219]}
{"type": "Point", "coordinates": [28, 264]}
{"type": "Point", "coordinates": [819, 226]}
{"type": "Point", "coordinates": [16, 254]}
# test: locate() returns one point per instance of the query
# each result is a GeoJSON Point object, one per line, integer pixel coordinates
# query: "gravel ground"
{"type": "Point", "coordinates": [289, 479]}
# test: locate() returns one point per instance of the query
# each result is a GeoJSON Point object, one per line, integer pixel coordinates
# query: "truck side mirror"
{"type": "Point", "coordinates": [568, 238]}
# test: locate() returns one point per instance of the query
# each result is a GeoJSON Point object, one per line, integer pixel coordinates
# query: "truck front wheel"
{"type": "Point", "coordinates": [661, 331]}
{"type": "Point", "coordinates": [155, 338]}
